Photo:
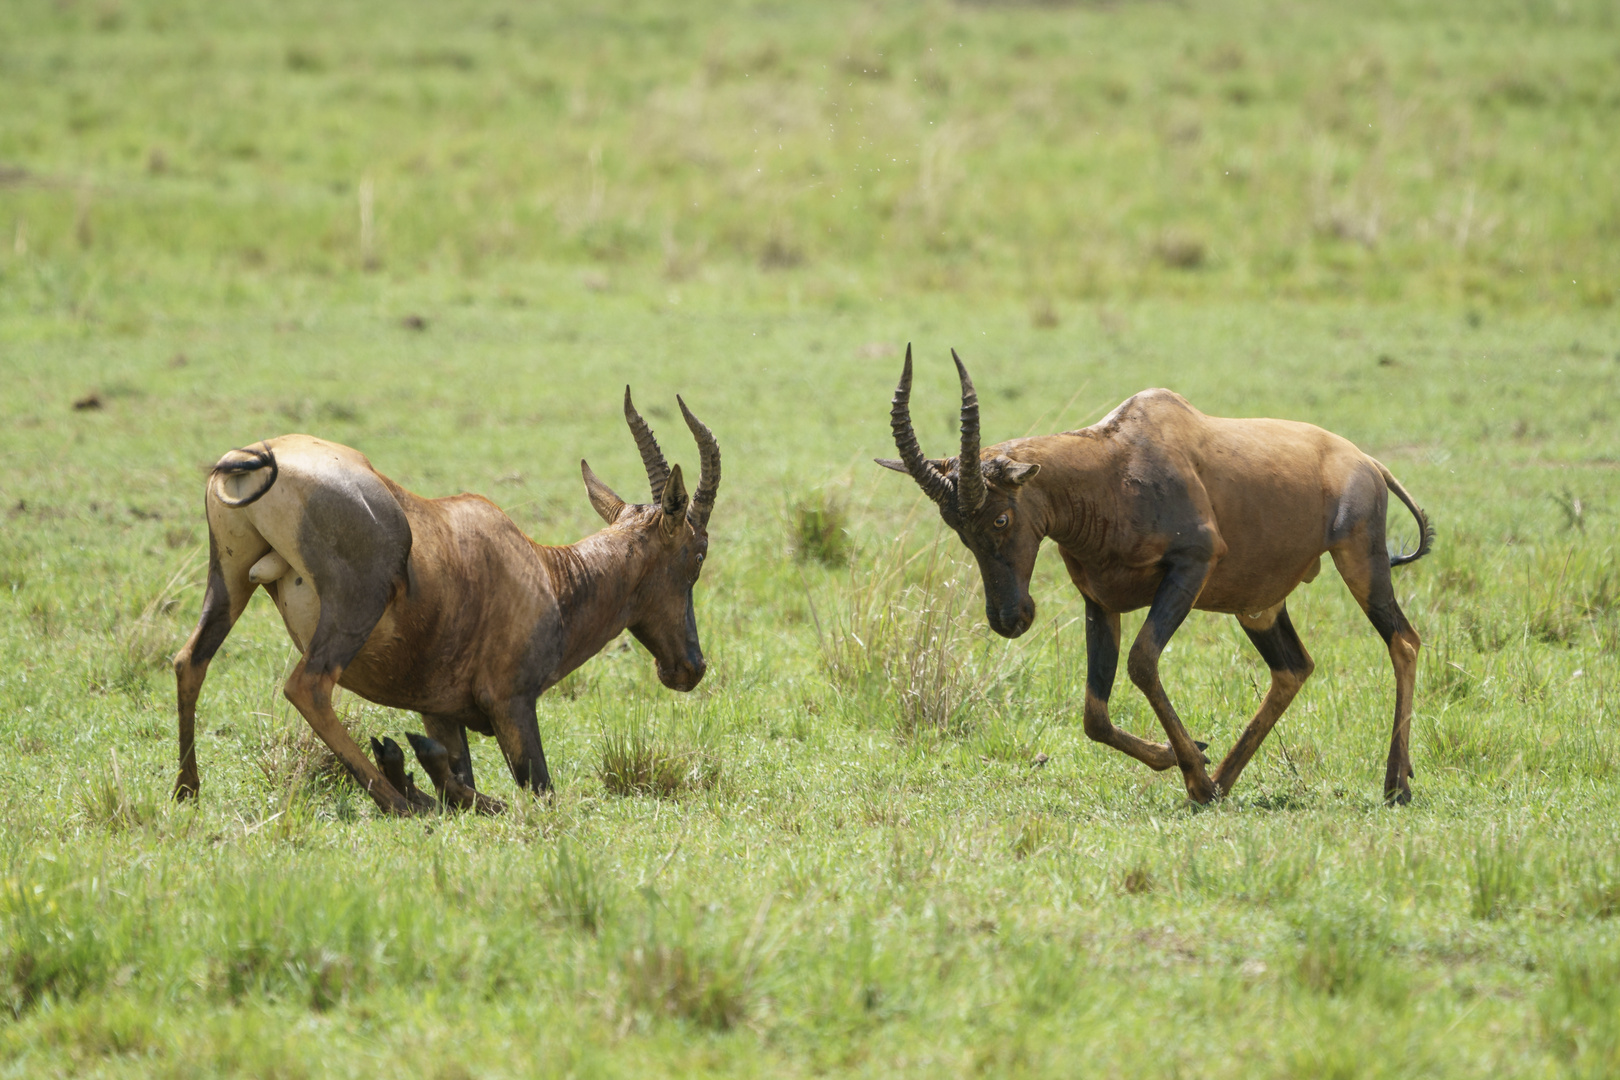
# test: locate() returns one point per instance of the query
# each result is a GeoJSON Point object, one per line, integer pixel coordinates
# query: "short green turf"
{"type": "Point", "coordinates": [895, 851]}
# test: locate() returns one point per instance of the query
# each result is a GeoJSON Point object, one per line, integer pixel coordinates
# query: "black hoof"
{"type": "Point", "coordinates": [391, 762]}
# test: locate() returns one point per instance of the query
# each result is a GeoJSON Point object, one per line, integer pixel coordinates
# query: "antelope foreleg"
{"type": "Point", "coordinates": [517, 731]}
{"type": "Point", "coordinates": [1102, 662]}
{"type": "Point", "coordinates": [436, 763]}
{"type": "Point", "coordinates": [391, 760]}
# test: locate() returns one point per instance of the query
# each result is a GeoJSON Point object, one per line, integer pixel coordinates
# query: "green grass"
{"type": "Point", "coordinates": [166, 154]}
{"type": "Point", "coordinates": [875, 840]}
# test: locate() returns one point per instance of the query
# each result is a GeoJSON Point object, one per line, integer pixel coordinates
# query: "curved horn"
{"type": "Point", "coordinates": [970, 478]}
{"type": "Point", "coordinates": [933, 482]}
{"type": "Point", "coordinates": [708, 468]}
{"type": "Point", "coordinates": [651, 457]}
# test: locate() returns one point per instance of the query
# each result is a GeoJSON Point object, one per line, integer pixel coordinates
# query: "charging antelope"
{"type": "Point", "coordinates": [441, 606]}
{"type": "Point", "coordinates": [1159, 506]}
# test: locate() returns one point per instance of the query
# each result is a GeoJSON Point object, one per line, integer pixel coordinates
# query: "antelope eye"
{"type": "Point", "coordinates": [700, 556]}
{"type": "Point", "coordinates": [1001, 522]}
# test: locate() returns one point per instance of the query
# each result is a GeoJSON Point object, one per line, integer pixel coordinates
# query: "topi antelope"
{"type": "Point", "coordinates": [1159, 506]}
{"type": "Point", "coordinates": [441, 606]}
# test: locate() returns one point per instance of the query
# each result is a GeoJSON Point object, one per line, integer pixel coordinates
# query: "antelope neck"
{"type": "Point", "coordinates": [594, 581]}
{"type": "Point", "coordinates": [1071, 495]}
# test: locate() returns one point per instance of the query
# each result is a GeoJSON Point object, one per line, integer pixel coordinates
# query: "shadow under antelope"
{"type": "Point", "coordinates": [441, 606]}
{"type": "Point", "coordinates": [1159, 506]}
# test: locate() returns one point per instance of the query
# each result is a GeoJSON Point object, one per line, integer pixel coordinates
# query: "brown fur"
{"type": "Point", "coordinates": [1160, 506]}
{"type": "Point", "coordinates": [440, 606]}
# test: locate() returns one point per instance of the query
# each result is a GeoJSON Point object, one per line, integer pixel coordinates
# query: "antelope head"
{"type": "Point", "coordinates": [978, 496]}
{"type": "Point", "coordinates": [674, 529]}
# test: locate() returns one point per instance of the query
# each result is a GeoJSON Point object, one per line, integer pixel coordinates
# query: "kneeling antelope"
{"type": "Point", "coordinates": [1159, 506]}
{"type": "Point", "coordinates": [441, 606]}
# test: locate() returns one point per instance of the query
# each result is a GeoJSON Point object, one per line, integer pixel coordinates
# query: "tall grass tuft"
{"type": "Point", "coordinates": [1498, 880]}
{"type": "Point", "coordinates": [1344, 952]}
{"type": "Point", "coordinates": [576, 893]}
{"type": "Point", "coordinates": [677, 971]}
{"type": "Point", "coordinates": [143, 644]}
{"type": "Point", "coordinates": [857, 637]}
{"type": "Point", "coordinates": [936, 676]}
{"type": "Point", "coordinates": [1036, 833]}
{"type": "Point", "coordinates": [60, 938]}
{"type": "Point", "coordinates": [312, 940]}
{"type": "Point", "coordinates": [634, 762]}
{"type": "Point", "coordinates": [1596, 884]}
{"type": "Point", "coordinates": [105, 800]}
{"type": "Point", "coordinates": [821, 530]}
{"type": "Point", "coordinates": [1578, 1011]}
{"type": "Point", "coordinates": [907, 625]}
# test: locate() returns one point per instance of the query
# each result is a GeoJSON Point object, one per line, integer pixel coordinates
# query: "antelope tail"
{"type": "Point", "coordinates": [246, 461]}
{"type": "Point", "coordinates": [1425, 530]}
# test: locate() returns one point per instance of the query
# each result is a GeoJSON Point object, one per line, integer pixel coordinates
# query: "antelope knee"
{"type": "Point", "coordinates": [303, 689]}
{"type": "Point", "coordinates": [1098, 727]}
{"type": "Point", "coordinates": [1143, 667]}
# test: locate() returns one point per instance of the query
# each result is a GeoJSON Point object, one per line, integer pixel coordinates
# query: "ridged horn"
{"type": "Point", "coordinates": [969, 477]}
{"type": "Point", "coordinates": [652, 458]}
{"type": "Point", "coordinates": [934, 483]}
{"type": "Point", "coordinates": [708, 468]}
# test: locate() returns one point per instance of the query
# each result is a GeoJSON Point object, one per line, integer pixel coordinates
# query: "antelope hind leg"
{"type": "Point", "coordinates": [1279, 645]}
{"type": "Point", "coordinates": [311, 694]}
{"type": "Point", "coordinates": [1364, 565]}
{"type": "Point", "coordinates": [224, 600]}
{"type": "Point", "coordinates": [1170, 606]}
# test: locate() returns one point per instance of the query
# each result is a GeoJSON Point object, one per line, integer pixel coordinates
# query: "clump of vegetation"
{"type": "Point", "coordinates": [1577, 1011]}
{"type": "Point", "coordinates": [313, 941]}
{"type": "Point", "coordinates": [1498, 880]}
{"type": "Point", "coordinates": [938, 671]}
{"type": "Point", "coordinates": [105, 800]}
{"type": "Point", "coordinates": [633, 762]}
{"type": "Point", "coordinates": [575, 891]}
{"type": "Point", "coordinates": [291, 757]}
{"type": "Point", "coordinates": [1036, 833]}
{"type": "Point", "coordinates": [1343, 952]}
{"type": "Point", "coordinates": [1138, 880]}
{"type": "Point", "coordinates": [677, 970]}
{"type": "Point", "coordinates": [57, 940]}
{"type": "Point", "coordinates": [821, 530]}
{"type": "Point", "coordinates": [907, 623]}
{"type": "Point", "coordinates": [143, 644]}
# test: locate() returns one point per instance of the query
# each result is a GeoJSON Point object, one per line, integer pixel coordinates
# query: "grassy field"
{"type": "Point", "coordinates": [449, 237]}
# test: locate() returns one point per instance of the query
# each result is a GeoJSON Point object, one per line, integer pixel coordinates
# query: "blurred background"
{"type": "Point", "coordinates": [166, 155]}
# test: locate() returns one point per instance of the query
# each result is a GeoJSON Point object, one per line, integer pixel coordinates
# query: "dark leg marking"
{"type": "Point", "coordinates": [1171, 605]}
{"type": "Point", "coordinates": [1102, 663]}
{"type": "Point", "coordinates": [1283, 652]}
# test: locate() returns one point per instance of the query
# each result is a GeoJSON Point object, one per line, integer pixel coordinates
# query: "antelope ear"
{"type": "Point", "coordinates": [1021, 472]}
{"type": "Point", "coordinates": [673, 501]}
{"type": "Point", "coordinates": [606, 503]}
{"type": "Point", "coordinates": [1004, 470]}
{"type": "Point", "coordinates": [891, 463]}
